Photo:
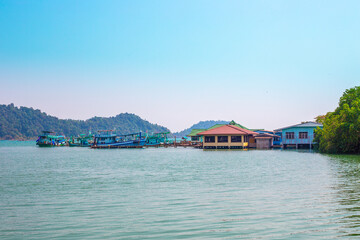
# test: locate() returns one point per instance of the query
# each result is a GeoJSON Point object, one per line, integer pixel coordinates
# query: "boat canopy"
{"type": "Point", "coordinates": [129, 134]}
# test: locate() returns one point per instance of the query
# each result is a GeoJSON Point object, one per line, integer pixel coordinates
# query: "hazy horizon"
{"type": "Point", "coordinates": [262, 64]}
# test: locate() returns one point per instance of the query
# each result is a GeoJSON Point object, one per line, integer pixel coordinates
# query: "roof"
{"type": "Point", "coordinates": [55, 137]}
{"type": "Point", "coordinates": [227, 130]}
{"type": "Point", "coordinates": [266, 135]}
{"type": "Point", "coordinates": [304, 124]}
{"type": "Point", "coordinates": [216, 126]}
{"type": "Point", "coordinates": [194, 132]}
{"type": "Point", "coordinates": [233, 123]}
{"type": "Point", "coordinates": [262, 131]}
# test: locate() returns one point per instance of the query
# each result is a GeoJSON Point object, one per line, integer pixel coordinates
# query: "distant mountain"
{"type": "Point", "coordinates": [199, 125]}
{"type": "Point", "coordinates": [27, 123]}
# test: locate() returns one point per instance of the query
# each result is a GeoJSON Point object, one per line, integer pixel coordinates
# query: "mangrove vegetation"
{"type": "Point", "coordinates": [341, 128]}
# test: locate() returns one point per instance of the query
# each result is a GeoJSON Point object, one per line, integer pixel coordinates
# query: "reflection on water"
{"type": "Point", "coordinates": [346, 170]}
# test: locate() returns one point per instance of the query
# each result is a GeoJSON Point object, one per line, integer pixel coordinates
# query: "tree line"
{"type": "Point", "coordinates": [341, 128]}
{"type": "Point", "coordinates": [22, 123]}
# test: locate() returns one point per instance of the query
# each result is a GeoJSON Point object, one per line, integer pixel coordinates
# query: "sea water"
{"type": "Point", "coordinates": [176, 193]}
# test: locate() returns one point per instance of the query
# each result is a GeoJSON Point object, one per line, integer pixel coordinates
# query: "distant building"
{"type": "Point", "coordinates": [298, 136]}
{"type": "Point", "coordinates": [226, 137]}
{"type": "Point", "coordinates": [194, 138]}
{"type": "Point", "coordinates": [263, 141]}
{"type": "Point", "coordinates": [265, 136]}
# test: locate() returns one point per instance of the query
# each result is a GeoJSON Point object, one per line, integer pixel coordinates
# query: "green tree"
{"type": "Point", "coordinates": [341, 131]}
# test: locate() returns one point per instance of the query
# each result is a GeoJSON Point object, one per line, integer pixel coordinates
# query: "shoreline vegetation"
{"type": "Point", "coordinates": [340, 133]}
{"type": "Point", "coordinates": [341, 128]}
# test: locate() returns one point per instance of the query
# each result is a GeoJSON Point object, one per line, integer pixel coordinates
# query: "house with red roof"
{"type": "Point", "coordinates": [226, 137]}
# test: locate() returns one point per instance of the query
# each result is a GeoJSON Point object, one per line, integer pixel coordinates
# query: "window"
{"type": "Point", "coordinates": [246, 138]}
{"type": "Point", "coordinates": [235, 138]}
{"type": "Point", "coordinates": [210, 139]}
{"type": "Point", "coordinates": [303, 135]}
{"type": "Point", "coordinates": [222, 139]}
{"type": "Point", "coordinates": [289, 135]}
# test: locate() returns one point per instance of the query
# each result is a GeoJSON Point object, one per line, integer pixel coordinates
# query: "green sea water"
{"type": "Point", "coordinates": [181, 193]}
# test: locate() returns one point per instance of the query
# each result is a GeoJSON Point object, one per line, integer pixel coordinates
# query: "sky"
{"type": "Point", "coordinates": [264, 64]}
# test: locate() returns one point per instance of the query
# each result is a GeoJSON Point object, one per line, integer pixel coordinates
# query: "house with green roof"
{"type": "Point", "coordinates": [194, 137]}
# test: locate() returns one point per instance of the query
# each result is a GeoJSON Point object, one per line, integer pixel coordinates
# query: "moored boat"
{"type": "Point", "coordinates": [46, 139]}
{"type": "Point", "coordinates": [108, 139]}
{"type": "Point", "coordinates": [157, 139]}
{"type": "Point", "coordinates": [81, 141]}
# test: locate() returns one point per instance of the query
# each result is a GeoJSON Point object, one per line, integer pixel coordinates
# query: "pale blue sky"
{"type": "Point", "coordinates": [264, 64]}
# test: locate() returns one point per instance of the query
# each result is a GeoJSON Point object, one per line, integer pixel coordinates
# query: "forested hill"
{"type": "Point", "coordinates": [199, 125]}
{"type": "Point", "coordinates": [27, 123]}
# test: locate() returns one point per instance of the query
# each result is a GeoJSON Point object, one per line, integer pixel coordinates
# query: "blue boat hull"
{"type": "Point", "coordinates": [79, 145]}
{"type": "Point", "coordinates": [126, 144]}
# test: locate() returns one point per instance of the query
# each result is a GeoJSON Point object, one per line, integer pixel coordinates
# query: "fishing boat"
{"type": "Point", "coordinates": [81, 141]}
{"type": "Point", "coordinates": [46, 139]}
{"type": "Point", "coordinates": [157, 139]}
{"type": "Point", "coordinates": [108, 139]}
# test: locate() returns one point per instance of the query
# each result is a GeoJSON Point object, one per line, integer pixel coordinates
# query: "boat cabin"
{"type": "Point", "coordinates": [105, 137]}
{"type": "Point", "coordinates": [48, 140]}
{"type": "Point", "coordinates": [156, 139]}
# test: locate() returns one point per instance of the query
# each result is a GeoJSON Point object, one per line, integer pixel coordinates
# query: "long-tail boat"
{"type": "Point", "coordinates": [82, 140]}
{"type": "Point", "coordinates": [108, 139]}
{"type": "Point", "coordinates": [46, 139]}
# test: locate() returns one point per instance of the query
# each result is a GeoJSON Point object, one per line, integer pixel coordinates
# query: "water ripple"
{"type": "Point", "coordinates": [77, 193]}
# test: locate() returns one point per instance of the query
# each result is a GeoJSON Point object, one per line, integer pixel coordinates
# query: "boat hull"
{"type": "Point", "coordinates": [45, 145]}
{"type": "Point", "coordinates": [78, 145]}
{"type": "Point", "coordinates": [74, 145]}
{"type": "Point", "coordinates": [50, 145]}
{"type": "Point", "coordinates": [126, 144]}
